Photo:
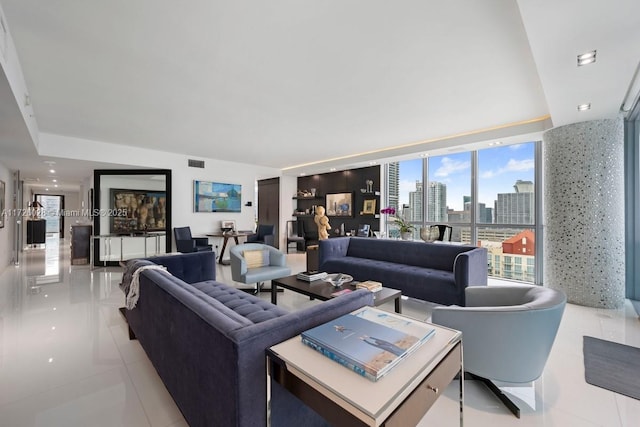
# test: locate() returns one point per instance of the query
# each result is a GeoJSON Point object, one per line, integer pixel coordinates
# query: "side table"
{"type": "Point", "coordinates": [343, 398]}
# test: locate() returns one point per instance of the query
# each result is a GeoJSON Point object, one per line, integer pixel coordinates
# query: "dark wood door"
{"type": "Point", "coordinates": [269, 205]}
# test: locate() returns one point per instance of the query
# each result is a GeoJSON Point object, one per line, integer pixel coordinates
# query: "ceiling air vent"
{"type": "Point", "coordinates": [196, 163]}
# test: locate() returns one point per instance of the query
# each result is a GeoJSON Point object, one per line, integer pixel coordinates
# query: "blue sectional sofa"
{"type": "Point", "coordinates": [428, 271]}
{"type": "Point", "coordinates": [207, 340]}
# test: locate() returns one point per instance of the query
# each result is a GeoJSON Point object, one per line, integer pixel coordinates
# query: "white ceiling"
{"type": "Point", "coordinates": [289, 82]}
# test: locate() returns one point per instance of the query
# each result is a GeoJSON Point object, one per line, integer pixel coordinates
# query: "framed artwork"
{"type": "Point", "coordinates": [339, 204]}
{"type": "Point", "coordinates": [137, 210]}
{"type": "Point", "coordinates": [228, 225]}
{"type": "Point", "coordinates": [2, 204]}
{"type": "Point", "coordinates": [363, 230]}
{"type": "Point", "coordinates": [369, 207]}
{"type": "Point", "coordinates": [216, 197]}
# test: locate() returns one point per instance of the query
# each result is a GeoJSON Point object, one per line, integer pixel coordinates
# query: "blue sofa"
{"type": "Point", "coordinates": [433, 272]}
{"type": "Point", "coordinates": [207, 340]}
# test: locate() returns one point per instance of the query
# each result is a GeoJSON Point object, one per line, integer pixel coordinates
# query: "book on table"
{"type": "Point", "coordinates": [370, 342]}
{"type": "Point", "coordinates": [369, 285]}
{"type": "Point", "coordinates": [311, 276]}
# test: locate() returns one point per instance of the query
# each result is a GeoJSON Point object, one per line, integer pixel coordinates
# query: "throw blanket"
{"type": "Point", "coordinates": [134, 286]}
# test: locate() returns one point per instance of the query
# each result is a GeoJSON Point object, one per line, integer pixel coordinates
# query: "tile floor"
{"type": "Point", "coordinates": [66, 360]}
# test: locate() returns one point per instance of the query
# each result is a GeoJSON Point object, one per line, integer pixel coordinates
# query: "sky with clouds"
{"type": "Point", "coordinates": [499, 169]}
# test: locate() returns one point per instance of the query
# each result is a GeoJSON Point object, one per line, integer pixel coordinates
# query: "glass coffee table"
{"type": "Point", "coordinates": [322, 290]}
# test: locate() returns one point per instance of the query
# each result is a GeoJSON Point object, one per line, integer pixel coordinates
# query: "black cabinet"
{"type": "Point", "coordinates": [80, 244]}
{"type": "Point", "coordinates": [36, 231]}
{"type": "Point", "coordinates": [362, 183]}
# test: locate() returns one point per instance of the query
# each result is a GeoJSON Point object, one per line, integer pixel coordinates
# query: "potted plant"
{"type": "Point", "coordinates": [406, 229]}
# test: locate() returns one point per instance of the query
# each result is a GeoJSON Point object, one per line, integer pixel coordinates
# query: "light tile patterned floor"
{"type": "Point", "coordinates": [66, 360]}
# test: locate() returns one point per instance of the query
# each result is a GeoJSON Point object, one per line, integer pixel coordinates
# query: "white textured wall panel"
{"type": "Point", "coordinates": [584, 212]}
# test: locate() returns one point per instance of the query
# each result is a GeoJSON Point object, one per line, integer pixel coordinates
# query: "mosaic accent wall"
{"type": "Point", "coordinates": [584, 212]}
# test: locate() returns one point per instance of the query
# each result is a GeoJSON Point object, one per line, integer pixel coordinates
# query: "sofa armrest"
{"type": "Point", "coordinates": [277, 258]}
{"type": "Point", "coordinates": [336, 247]}
{"type": "Point", "coordinates": [470, 268]}
{"type": "Point", "coordinates": [238, 266]}
{"type": "Point", "coordinates": [191, 267]}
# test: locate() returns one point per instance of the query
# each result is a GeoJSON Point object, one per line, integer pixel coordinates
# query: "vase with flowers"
{"type": "Point", "coordinates": [404, 226]}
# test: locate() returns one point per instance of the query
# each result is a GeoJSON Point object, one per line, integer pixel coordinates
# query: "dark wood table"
{"type": "Point", "coordinates": [226, 237]}
{"type": "Point", "coordinates": [323, 290]}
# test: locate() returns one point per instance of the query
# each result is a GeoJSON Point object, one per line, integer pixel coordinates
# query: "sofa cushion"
{"type": "Point", "coordinates": [428, 284]}
{"type": "Point", "coordinates": [440, 257]}
{"type": "Point", "coordinates": [256, 258]}
{"type": "Point", "coordinates": [246, 305]}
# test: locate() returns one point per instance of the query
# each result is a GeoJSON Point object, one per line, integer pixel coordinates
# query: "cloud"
{"type": "Point", "coordinates": [512, 165]}
{"type": "Point", "coordinates": [520, 165]}
{"type": "Point", "coordinates": [449, 166]}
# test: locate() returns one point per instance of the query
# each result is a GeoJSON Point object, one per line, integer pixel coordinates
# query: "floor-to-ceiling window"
{"type": "Point", "coordinates": [488, 196]}
{"type": "Point", "coordinates": [449, 193]}
{"type": "Point", "coordinates": [505, 210]}
{"type": "Point", "coordinates": [51, 208]}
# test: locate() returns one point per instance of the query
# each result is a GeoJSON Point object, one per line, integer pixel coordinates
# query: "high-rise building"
{"type": "Point", "coordinates": [415, 203]}
{"type": "Point", "coordinates": [393, 184]}
{"type": "Point", "coordinates": [437, 202]}
{"type": "Point", "coordinates": [518, 207]}
{"type": "Point", "coordinates": [485, 214]}
{"type": "Point", "coordinates": [523, 186]}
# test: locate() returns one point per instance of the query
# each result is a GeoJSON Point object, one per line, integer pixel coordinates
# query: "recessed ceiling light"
{"type": "Point", "coordinates": [424, 155]}
{"type": "Point", "coordinates": [584, 107]}
{"type": "Point", "coordinates": [587, 58]}
{"type": "Point", "coordinates": [333, 169]}
{"type": "Point", "coordinates": [55, 185]}
{"type": "Point", "coordinates": [52, 171]}
{"type": "Point", "coordinates": [373, 163]}
{"type": "Point", "coordinates": [302, 174]}
{"type": "Point", "coordinates": [55, 180]}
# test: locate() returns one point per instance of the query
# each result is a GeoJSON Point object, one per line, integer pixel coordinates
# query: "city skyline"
{"type": "Point", "coordinates": [499, 168]}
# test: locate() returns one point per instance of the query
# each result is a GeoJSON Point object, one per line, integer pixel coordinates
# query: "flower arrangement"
{"type": "Point", "coordinates": [402, 223]}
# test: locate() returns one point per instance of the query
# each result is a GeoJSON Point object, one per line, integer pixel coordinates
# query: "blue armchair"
{"type": "Point", "coordinates": [187, 244]}
{"type": "Point", "coordinates": [507, 332]}
{"type": "Point", "coordinates": [257, 263]}
{"type": "Point", "coordinates": [264, 234]}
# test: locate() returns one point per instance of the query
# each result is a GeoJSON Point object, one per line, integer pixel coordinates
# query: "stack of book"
{"type": "Point", "coordinates": [310, 276]}
{"type": "Point", "coordinates": [369, 342]}
{"type": "Point", "coordinates": [370, 285]}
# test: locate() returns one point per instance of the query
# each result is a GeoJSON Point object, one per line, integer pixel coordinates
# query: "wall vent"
{"type": "Point", "coordinates": [196, 163]}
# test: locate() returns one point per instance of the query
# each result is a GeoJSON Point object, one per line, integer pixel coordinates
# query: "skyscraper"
{"type": "Point", "coordinates": [393, 181]}
{"type": "Point", "coordinates": [518, 207]}
{"type": "Point", "coordinates": [437, 202]}
{"type": "Point", "coordinates": [415, 203]}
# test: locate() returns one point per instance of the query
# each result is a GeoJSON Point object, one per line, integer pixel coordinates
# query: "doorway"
{"type": "Point", "coordinates": [269, 205]}
{"type": "Point", "coordinates": [51, 211]}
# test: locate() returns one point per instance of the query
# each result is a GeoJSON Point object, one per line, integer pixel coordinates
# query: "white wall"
{"type": "Point", "coordinates": [6, 233]}
{"type": "Point", "coordinates": [182, 178]}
